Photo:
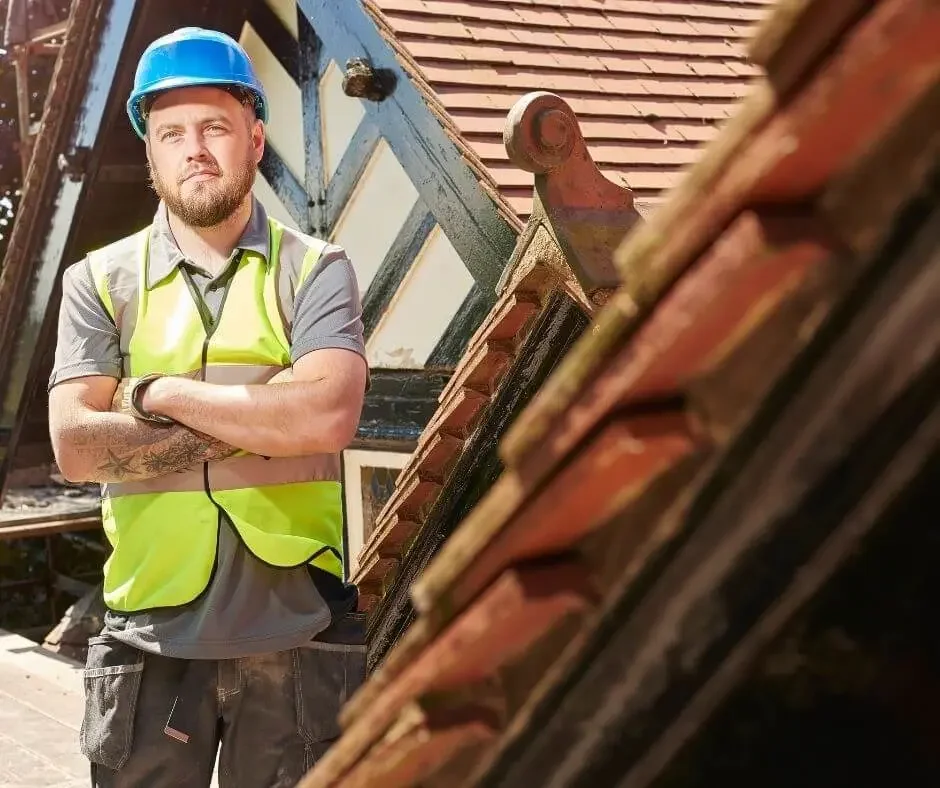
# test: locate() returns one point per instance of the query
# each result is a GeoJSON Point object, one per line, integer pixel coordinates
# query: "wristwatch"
{"type": "Point", "coordinates": [133, 395]}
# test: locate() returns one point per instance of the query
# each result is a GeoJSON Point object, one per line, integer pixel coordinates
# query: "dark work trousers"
{"type": "Point", "coordinates": [156, 722]}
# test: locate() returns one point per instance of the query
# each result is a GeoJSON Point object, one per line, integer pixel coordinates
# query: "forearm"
{"type": "Point", "coordinates": [115, 447]}
{"type": "Point", "coordinates": [298, 417]}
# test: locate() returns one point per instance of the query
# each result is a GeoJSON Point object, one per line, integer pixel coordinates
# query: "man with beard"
{"type": "Point", "coordinates": [209, 371]}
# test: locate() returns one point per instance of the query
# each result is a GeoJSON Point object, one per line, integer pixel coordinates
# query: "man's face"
{"type": "Point", "coordinates": [203, 148]}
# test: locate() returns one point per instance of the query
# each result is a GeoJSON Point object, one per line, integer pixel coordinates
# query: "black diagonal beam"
{"type": "Point", "coordinates": [285, 185]}
{"type": "Point", "coordinates": [311, 69]}
{"type": "Point", "coordinates": [482, 237]}
{"type": "Point", "coordinates": [350, 169]}
{"type": "Point", "coordinates": [402, 253]}
{"type": "Point", "coordinates": [453, 342]}
{"type": "Point", "coordinates": [276, 37]}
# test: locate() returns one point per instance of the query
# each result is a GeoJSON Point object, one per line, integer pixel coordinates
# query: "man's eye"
{"type": "Point", "coordinates": [215, 129]}
{"type": "Point", "coordinates": [167, 136]}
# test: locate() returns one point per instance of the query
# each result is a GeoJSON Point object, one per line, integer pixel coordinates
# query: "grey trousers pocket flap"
{"type": "Point", "coordinates": [112, 683]}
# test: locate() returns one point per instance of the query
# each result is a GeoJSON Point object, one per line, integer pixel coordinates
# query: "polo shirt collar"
{"type": "Point", "coordinates": [164, 255]}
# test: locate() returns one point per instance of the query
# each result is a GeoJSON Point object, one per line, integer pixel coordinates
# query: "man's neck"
{"type": "Point", "coordinates": [211, 247]}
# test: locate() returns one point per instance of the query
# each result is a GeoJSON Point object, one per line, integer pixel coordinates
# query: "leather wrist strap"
{"type": "Point", "coordinates": [136, 393]}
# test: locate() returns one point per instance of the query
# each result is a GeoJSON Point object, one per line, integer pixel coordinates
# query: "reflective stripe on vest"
{"type": "Point", "coordinates": [286, 510]}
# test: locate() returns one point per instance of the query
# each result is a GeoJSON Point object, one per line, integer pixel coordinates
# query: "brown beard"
{"type": "Point", "coordinates": [211, 203]}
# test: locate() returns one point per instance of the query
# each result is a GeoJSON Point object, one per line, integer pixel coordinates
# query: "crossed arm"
{"type": "Point", "coordinates": [312, 408]}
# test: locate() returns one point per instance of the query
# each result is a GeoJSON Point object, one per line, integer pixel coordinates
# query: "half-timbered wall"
{"type": "Point", "coordinates": [330, 172]}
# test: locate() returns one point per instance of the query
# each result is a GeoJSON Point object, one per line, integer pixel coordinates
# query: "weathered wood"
{"type": "Point", "coordinates": [290, 191]}
{"type": "Point", "coordinates": [309, 49]}
{"type": "Point", "coordinates": [398, 260]}
{"type": "Point", "coordinates": [37, 526]}
{"type": "Point", "coordinates": [611, 471]}
{"type": "Point", "coordinates": [481, 233]}
{"type": "Point", "coordinates": [844, 542]}
{"type": "Point", "coordinates": [452, 345]}
{"type": "Point", "coordinates": [399, 405]}
{"type": "Point", "coordinates": [515, 611]}
{"type": "Point", "coordinates": [276, 37]}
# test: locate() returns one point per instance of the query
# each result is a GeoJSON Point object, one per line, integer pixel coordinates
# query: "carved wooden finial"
{"type": "Point", "coordinates": [587, 214]}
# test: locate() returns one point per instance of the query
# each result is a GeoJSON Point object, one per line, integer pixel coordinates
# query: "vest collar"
{"type": "Point", "coordinates": [164, 255]}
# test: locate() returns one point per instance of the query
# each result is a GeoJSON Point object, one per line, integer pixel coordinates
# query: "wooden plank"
{"type": "Point", "coordinates": [612, 470]}
{"type": "Point", "coordinates": [452, 345]}
{"type": "Point", "coordinates": [352, 165]}
{"type": "Point", "coordinates": [844, 543]}
{"type": "Point", "coordinates": [516, 611]}
{"type": "Point", "coordinates": [10, 531]}
{"type": "Point", "coordinates": [276, 37]}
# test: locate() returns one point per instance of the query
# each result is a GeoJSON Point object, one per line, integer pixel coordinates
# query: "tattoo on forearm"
{"type": "Point", "coordinates": [161, 452]}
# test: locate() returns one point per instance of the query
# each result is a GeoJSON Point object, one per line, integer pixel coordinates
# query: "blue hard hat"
{"type": "Point", "coordinates": [191, 57]}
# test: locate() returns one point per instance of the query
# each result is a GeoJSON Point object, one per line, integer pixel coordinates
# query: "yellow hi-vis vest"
{"type": "Point", "coordinates": [286, 510]}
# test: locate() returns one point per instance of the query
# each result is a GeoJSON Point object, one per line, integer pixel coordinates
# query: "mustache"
{"type": "Point", "coordinates": [199, 170]}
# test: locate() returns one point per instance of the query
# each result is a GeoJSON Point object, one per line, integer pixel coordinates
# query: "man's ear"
{"type": "Point", "coordinates": [257, 139]}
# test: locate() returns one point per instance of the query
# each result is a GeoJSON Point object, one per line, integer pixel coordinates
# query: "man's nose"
{"type": "Point", "coordinates": [195, 146]}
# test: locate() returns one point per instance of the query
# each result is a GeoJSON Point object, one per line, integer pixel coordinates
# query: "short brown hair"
{"type": "Point", "coordinates": [242, 95]}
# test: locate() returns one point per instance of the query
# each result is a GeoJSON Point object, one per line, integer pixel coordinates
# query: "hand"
{"type": "Point", "coordinates": [153, 394]}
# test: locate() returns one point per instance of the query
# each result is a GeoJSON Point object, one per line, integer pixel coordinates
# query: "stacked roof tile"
{"type": "Point", "coordinates": [650, 81]}
{"type": "Point", "coordinates": [604, 466]}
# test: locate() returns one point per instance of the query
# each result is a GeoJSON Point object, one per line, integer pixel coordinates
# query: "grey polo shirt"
{"type": "Point", "coordinates": [248, 607]}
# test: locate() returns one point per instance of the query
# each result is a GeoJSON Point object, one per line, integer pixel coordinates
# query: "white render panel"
{"type": "Point", "coordinates": [271, 203]}
{"type": "Point", "coordinates": [422, 309]}
{"type": "Point", "coordinates": [285, 127]}
{"type": "Point", "coordinates": [340, 116]}
{"type": "Point", "coordinates": [286, 11]}
{"type": "Point", "coordinates": [372, 218]}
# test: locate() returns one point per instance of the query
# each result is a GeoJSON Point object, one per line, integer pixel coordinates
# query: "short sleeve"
{"type": "Point", "coordinates": [327, 308]}
{"type": "Point", "coordinates": [88, 342]}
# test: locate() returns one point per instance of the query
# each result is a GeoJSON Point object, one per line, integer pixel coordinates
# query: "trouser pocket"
{"type": "Point", "coordinates": [328, 671]}
{"type": "Point", "coordinates": [112, 683]}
